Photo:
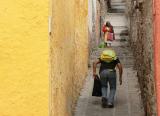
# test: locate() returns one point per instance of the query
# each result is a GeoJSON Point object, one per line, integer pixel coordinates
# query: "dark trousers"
{"type": "Point", "coordinates": [108, 77]}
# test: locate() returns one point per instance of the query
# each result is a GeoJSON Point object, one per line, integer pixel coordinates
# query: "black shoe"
{"type": "Point", "coordinates": [104, 102]}
{"type": "Point", "coordinates": [110, 105]}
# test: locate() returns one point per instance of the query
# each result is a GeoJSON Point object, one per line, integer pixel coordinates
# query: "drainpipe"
{"type": "Point", "coordinates": [156, 23]}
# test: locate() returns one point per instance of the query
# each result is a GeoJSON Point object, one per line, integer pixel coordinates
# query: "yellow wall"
{"type": "Point", "coordinates": [24, 58]}
{"type": "Point", "coordinates": [69, 54]}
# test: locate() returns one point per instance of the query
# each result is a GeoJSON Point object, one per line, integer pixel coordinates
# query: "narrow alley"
{"type": "Point", "coordinates": [128, 97]}
{"type": "Point", "coordinates": [48, 50]}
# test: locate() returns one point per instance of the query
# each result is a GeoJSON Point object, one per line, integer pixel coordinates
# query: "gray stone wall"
{"type": "Point", "coordinates": [103, 12]}
{"type": "Point", "coordinates": [141, 40]}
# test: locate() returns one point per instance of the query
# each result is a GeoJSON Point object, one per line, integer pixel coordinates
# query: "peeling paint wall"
{"type": "Point", "coordinates": [69, 54]}
{"type": "Point", "coordinates": [141, 37]}
{"type": "Point", "coordinates": [24, 58]}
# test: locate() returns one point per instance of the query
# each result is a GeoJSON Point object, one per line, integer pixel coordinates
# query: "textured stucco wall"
{"type": "Point", "coordinates": [103, 11]}
{"type": "Point", "coordinates": [103, 4]}
{"type": "Point", "coordinates": [91, 13]}
{"type": "Point", "coordinates": [24, 58]}
{"type": "Point", "coordinates": [98, 22]}
{"type": "Point", "coordinates": [92, 24]}
{"type": "Point", "coordinates": [141, 37]}
{"type": "Point", "coordinates": [69, 54]}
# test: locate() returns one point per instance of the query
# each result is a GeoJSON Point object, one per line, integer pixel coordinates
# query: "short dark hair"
{"type": "Point", "coordinates": [108, 24]}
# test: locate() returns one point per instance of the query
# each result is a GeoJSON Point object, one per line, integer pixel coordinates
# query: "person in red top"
{"type": "Point", "coordinates": [108, 31]}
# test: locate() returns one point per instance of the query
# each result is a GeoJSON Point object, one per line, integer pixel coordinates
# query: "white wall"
{"type": "Point", "coordinates": [91, 14]}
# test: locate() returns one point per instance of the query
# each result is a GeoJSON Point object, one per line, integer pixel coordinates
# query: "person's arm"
{"type": "Point", "coordinates": [104, 29]}
{"type": "Point", "coordinates": [119, 65]}
{"type": "Point", "coordinates": [94, 67]}
{"type": "Point", "coordinates": [113, 35]}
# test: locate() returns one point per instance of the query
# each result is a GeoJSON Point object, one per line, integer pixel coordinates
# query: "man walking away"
{"type": "Point", "coordinates": [109, 62]}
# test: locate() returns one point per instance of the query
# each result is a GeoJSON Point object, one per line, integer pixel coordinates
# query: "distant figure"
{"type": "Point", "coordinates": [109, 4]}
{"type": "Point", "coordinates": [107, 72]}
{"type": "Point", "coordinates": [109, 35]}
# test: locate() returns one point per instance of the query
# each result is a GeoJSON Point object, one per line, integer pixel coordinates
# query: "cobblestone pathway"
{"type": "Point", "coordinates": [127, 100]}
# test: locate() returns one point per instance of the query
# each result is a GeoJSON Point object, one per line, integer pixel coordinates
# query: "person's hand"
{"type": "Point", "coordinates": [94, 75]}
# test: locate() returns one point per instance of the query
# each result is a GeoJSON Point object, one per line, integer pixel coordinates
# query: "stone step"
{"type": "Point", "coordinates": [119, 30]}
{"type": "Point", "coordinates": [112, 17]}
{"type": "Point", "coordinates": [122, 51]}
{"type": "Point", "coordinates": [121, 38]}
{"type": "Point", "coordinates": [119, 1]}
{"type": "Point", "coordinates": [118, 6]}
{"type": "Point", "coordinates": [113, 10]}
{"type": "Point", "coordinates": [113, 14]}
{"type": "Point", "coordinates": [121, 34]}
{"type": "Point", "coordinates": [120, 27]}
{"type": "Point", "coordinates": [119, 43]}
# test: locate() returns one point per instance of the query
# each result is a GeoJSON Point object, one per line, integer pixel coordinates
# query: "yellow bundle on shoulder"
{"type": "Point", "coordinates": [108, 55]}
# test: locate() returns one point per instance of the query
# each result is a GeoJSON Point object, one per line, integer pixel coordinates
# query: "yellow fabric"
{"type": "Point", "coordinates": [108, 55]}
